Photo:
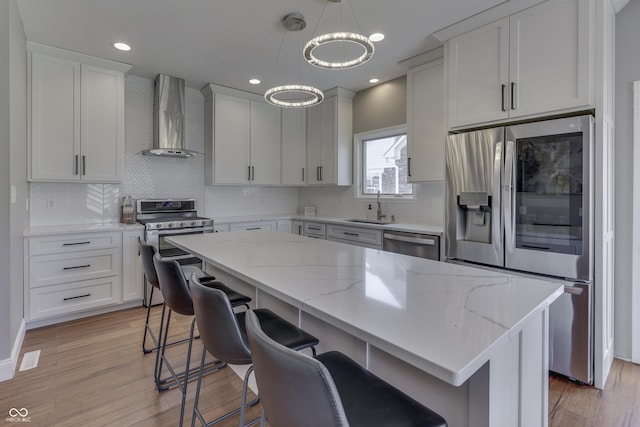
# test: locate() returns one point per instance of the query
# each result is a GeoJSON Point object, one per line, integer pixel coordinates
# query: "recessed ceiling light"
{"type": "Point", "coordinates": [122, 46]}
{"type": "Point", "coordinates": [254, 81]}
{"type": "Point", "coordinates": [376, 37]}
{"type": "Point", "coordinates": [374, 80]}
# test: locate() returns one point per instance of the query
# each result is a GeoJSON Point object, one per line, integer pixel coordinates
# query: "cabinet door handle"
{"type": "Point", "coordinates": [253, 173]}
{"type": "Point", "coordinates": [77, 266]}
{"type": "Point", "coordinates": [76, 243]}
{"type": "Point", "coordinates": [302, 174]}
{"type": "Point", "coordinates": [84, 165]}
{"type": "Point", "coordinates": [248, 173]}
{"type": "Point", "coordinates": [317, 173]}
{"type": "Point", "coordinates": [79, 296]}
{"type": "Point", "coordinates": [320, 173]}
{"type": "Point", "coordinates": [513, 95]}
{"type": "Point", "coordinates": [504, 91]}
{"type": "Point", "coordinates": [408, 166]}
{"type": "Point", "coordinates": [76, 166]}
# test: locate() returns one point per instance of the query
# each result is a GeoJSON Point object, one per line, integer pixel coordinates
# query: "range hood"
{"type": "Point", "coordinates": [168, 119]}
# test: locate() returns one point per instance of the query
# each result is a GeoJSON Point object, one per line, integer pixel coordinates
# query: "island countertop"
{"type": "Point", "coordinates": [443, 318]}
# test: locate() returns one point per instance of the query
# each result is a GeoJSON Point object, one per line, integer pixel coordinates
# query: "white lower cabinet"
{"type": "Point", "coordinates": [297, 227]}
{"type": "Point", "coordinates": [257, 225]}
{"type": "Point", "coordinates": [68, 298]}
{"type": "Point", "coordinates": [73, 275]}
{"type": "Point", "coordinates": [283, 226]}
{"type": "Point", "coordinates": [358, 236]}
{"type": "Point", "coordinates": [132, 274]}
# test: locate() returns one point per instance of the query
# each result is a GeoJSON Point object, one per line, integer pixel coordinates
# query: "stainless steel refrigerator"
{"type": "Point", "coordinates": [520, 198]}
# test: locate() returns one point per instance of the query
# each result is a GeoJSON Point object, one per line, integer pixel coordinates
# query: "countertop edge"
{"type": "Point", "coordinates": [48, 230]}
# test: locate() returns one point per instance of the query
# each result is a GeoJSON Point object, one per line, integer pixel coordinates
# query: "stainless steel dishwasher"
{"type": "Point", "coordinates": [414, 244]}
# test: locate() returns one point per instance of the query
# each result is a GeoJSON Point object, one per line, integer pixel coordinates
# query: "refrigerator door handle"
{"type": "Point", "coordinates": [507, 198]}
{"type": "Point", "coordinates": [497, 180]}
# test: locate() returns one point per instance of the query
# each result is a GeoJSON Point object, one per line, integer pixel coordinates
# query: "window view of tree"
{"type": "Point", "coordinates": [384, 166]}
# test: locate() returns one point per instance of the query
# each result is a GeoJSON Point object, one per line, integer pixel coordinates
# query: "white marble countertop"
{"type": "Point", "coordinates": [445, 319]}
{"type": "Point", "coordinates": [46, 230]}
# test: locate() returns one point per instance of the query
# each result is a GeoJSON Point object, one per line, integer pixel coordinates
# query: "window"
{"type": "Point", "coordinates": [381, 162]}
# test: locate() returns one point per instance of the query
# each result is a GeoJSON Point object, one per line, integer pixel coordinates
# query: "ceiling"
{"type": "Point", "coordinates": [227, 42]}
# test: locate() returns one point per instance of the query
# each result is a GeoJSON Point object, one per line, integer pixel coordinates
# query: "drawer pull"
{"type": "Point", "coordinates": [76, 243]}
{"type": "Point", "coordinates": [314, 228]}
{"type": "Point", "coordinates": [79, 296]}
{"type": "Point", "coordinates": [253, 228]}
{"type": "Point", "coordinates": [77, 266]}
{"type": "Point", "coordinates": [346, 233]}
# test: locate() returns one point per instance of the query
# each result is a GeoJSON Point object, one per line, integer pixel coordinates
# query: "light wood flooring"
{"type": "Point", "coordinates": [92, 373]}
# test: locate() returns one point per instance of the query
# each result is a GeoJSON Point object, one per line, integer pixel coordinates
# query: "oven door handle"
{"type": "Point", "coordinates": [174, 231]}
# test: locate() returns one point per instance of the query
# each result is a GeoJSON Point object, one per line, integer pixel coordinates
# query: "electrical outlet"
{"type": "Point", "coordinates": [51, 203]}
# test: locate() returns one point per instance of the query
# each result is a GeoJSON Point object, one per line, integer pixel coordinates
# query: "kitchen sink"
{"type": "Point", "coordinates": [369, 221]}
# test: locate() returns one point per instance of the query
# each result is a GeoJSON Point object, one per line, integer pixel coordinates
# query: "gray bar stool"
{"type": "Point", "coordinates": [177, 296]}
{"type": "Point", "coordinates": [330, 390]}
{"type": "Point", "coordinates": [223, 335]}
{"type": "Point", "coordinates": [147, 253]}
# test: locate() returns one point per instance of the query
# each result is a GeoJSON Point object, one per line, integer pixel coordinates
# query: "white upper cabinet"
{"type": "Point", "coordinates": [265, 143]}
{"type": "Point", "coordinates": [232, 138]}
{"type": "Point", "coordinates": [530, 64]}
{"type": "Point", "coordinates": [77, 117]}
{"type": "Point", "coordinates": [329, 136]}
{"type": "Point", "coordinates": [294, 146]}
{"type": "Point", "coordinates": [243, 137]}
{"type": "Point", "coordinates": [426, 130]}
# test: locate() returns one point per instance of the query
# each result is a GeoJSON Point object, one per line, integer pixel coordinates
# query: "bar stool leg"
{"type": "Point", "coordinates": [147, 329]}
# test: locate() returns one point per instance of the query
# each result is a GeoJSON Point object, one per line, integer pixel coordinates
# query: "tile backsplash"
{"type": "Point", "coordinates": [74, 203]}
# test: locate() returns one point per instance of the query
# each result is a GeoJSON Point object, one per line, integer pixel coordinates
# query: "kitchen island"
{"type": "Point", "coordinates": [471, 344]}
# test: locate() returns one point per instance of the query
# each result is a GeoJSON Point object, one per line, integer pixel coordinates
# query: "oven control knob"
{"type": "Point", "coordinates": [158, 225]}
{"type": "Point", "coordinates": [182, 224]}
{"type": "Point", "coordinates": [192, 223]}
{"type": "Point", "coordinates": [170, 225]}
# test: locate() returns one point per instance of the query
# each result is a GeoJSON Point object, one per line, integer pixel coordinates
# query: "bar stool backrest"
{"type": "Point", "coordinates": [295, 389]}
{"type": "Point", "coordinates": [147, 252]}
{"type": "Point", "coordinates": [173, 285]}
{"type": "Point", "coordinates": [219, 329]}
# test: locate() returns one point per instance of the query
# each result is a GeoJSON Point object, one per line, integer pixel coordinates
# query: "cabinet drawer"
{"type": "Point", "coordinates": [314, 229]}
{"type": "Point", "coordinates": [73, 243]}
{"type": "Point", "coordinates": [248, 226]}
{"type": "Point", "coordinates": [69, 298]}
{"type": "Point", "coordinates": [48, 270]}
{"type": "Point", "coordinates": [356, 234]}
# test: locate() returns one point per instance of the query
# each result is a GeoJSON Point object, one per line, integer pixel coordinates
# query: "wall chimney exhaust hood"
{"type": "Point", "coordinates": [168, 119]}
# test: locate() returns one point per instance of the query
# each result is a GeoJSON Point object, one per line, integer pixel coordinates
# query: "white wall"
{"type": "Point", "coordinates": [627, 71]}
{"type": "Point", "coordinates": [5, 126]}
{"type": "Point", "coordinates": [13, 217]}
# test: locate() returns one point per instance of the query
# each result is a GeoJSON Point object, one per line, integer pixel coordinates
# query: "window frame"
{"type": "Point", "coordinates": [358, 163]}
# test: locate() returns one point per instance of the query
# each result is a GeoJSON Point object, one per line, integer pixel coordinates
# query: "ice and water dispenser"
{"type": "Point", "coordinates": [474, 216]}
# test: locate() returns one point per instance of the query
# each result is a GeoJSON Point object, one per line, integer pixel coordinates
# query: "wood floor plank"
{"type": "Point", "coordinates": [92, 372]}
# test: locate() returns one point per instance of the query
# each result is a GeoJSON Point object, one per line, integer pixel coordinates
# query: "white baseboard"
{"type": "Point", "coordinates": [8, 366]}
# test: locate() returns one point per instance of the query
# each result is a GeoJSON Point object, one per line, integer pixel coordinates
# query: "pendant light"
{"type": "Point", "coordinates": [338, 37]}
{"type": "Point", "coordinates": [293, 95]}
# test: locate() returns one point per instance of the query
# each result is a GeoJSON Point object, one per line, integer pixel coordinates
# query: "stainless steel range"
{"type": "Point", "coordinates": [171, 217]}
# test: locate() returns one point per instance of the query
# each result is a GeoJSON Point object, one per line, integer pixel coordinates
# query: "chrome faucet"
{"type": "Point", "coordinates": [379, 215]}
